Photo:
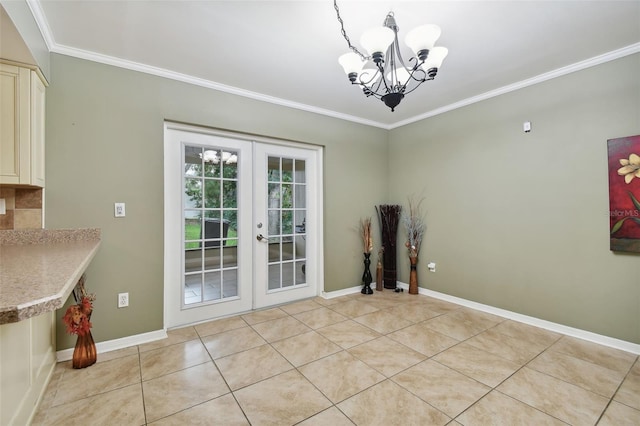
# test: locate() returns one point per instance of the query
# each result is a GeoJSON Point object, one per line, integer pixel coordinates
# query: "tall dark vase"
{"type": "Point", "coordinates": [389, 216]}
{"type": "Point", "coordinates": [366, 276]}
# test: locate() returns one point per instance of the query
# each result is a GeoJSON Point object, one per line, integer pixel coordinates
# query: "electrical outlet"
{"type": "Point", "coordinates": [118, 210]}
{"type": "Point", "coordinates": [123, 300]}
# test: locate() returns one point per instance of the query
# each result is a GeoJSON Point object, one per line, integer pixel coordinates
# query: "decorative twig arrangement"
{"type": "Point", "coordinates": [367, 244]}
{"type": "Point", "coordinates": [389, 216]}
{"type": "Point", "coordinates": [77, 318]}
{"type": "Point", "coordinates": [415, 227]}
{"type": "Point", "coordinates": [367, 238]}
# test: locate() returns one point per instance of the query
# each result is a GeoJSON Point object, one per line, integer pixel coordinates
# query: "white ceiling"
{"type": "Point", "coordinates": [286, 51]}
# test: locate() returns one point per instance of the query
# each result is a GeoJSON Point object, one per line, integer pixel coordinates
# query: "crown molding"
{"type": "Point", "coordinates": [578, 66]}
{"type": "Point", "coordinates": [54, 47]}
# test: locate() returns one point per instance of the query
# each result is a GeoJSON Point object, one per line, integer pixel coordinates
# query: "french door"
{"type": "Point", "coordinates": [242, 223]}
{"type": "Point", "coordinates": [285, 223]}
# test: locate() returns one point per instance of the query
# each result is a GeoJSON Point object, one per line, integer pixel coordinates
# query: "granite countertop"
{"type": "Point", "coordinates": [39, 269]}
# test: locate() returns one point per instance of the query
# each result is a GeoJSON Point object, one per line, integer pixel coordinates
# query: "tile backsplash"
{"type": "Point", "coordinates": [23, 208]}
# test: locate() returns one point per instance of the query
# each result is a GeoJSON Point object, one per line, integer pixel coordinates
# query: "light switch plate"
{"type": "Point", "coordinates": [119, 210]}
{"type": "Point", "coordinates": [3, 206]}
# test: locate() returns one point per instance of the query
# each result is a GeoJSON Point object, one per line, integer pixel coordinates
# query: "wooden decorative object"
{"type": "Point", "coordinates": [413, 276]}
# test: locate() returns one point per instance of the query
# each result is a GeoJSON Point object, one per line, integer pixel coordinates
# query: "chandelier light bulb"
{"type": "Point", "coordinates": [351, 63]}
{"type": "Point", "coordinates": [422, 38]}
{"type": "Point", "coordinates": [434, 61]}
{"type": "Point", "coordinates": [376, 41]}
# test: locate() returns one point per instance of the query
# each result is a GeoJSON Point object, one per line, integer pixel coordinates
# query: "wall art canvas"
{"type": "Point", "coordinates": [624, 193]}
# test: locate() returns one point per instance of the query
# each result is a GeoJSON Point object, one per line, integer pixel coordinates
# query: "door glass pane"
{"type": "Point", "coordinates": [273, 169]}
{"type": "Point", "coordinates": [287, 274]}
{"type": "Point", "coordinates": [211, 258]}
{"type": "Point", "coordinates": [287, 170]}
{"type": "Point", "coordinates": [230, 164]}
{"type": "Point", "coordinates": [192, 288]}
{"type": "Point", "coordinates": [229, 193]}
{"type": "Point", "coordinates": [274, 196]}
{"type": "Point", "coordinates": [212, 232]}
{"type": "Point", "coordinates": [300, 221]}
{"type": "Point", "coordinates": [192, 161]}
{"type": "Point", "coordinates": [229, 257]}
{"type": "Point", "coordinates": [212, 286]}
{"type": "Point", "coordinates": [212, 193]}
{"type": "Point", "coordinates": [230, 227]}
{"type": "Point", "coordinates": [274, 222]}
{"type": "Point", "coordinates": [210, 224]}
{"type": "Point", "coordinates": [230, 283]}
{"type": "Point", "coordinates": [274, 249]}
{"type": "Point", "coordinates": [192, 259]}
{"type": "Point", "coordinates": [300, 246]}
{"type": "Point", "coordinates": [274, 277]}
{"type": "Point", "coordinates": [300, 196]}
{"type": "Point", "coordinates": [192, 225]}
{"type": "Point", "coordinates": [286, 213]}
{"type": "Point", "coordinates": [287, 196]}
{"type": "Point", "coordinates": [287, 222]}
{"type": "Point", "coordinates": [287, 249]}
{"type": "Point", "coordinates": [300, 273]}
{"type": "Point", "coordinates": [300, 174]}
{"type": "Point", "coordinates": [211, 163]}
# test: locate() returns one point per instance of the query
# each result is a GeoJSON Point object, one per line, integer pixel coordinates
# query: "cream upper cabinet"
{"type": "Point", "coordinates": [22, 115]}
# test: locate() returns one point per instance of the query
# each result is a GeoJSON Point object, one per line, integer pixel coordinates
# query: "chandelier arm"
{"type": "Point", "coordinates": [383, 66]}
{"type": "Point", "coordinates": [397, 48]}
{"type": "Point", "coordinates": [371, 80]}
{"type": "Point", "coordinates": [344, 33]}
{"type": "Point", "coordinates": [417, 68]}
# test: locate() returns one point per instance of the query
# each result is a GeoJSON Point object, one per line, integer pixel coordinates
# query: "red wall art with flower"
{"type": "Point", "coordinates": [624, 193]}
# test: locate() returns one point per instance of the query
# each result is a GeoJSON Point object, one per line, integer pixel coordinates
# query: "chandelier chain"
{"type": "Point", "coordinates": [344, 32]}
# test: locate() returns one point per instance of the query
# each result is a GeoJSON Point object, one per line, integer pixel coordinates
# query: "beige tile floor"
{"type": "Point", "coordinates": [384, 359]}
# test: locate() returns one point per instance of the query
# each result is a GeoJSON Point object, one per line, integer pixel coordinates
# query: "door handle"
{"type": "Point", "coordinates": [261, 237]}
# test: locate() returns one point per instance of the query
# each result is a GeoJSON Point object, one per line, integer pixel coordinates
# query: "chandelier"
{"type": "Point", "coordinates": [384, 74]}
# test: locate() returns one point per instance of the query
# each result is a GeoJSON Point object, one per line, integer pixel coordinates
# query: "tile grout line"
{"type": "Point", "coordinates": [617, 389]}
{"type": "Point", "coordinates": [144, 405]}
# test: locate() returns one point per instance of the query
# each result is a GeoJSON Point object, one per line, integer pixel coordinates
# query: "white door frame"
{"type": "Point", "coordinates": [173, 250]}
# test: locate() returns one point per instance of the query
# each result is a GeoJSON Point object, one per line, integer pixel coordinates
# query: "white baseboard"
{"type": "Point", "coordinates": [536, 322]}
{"type": "Point", "coordinates": [113, 345]}
{"type": "Point", "coordinates": [343, 292]}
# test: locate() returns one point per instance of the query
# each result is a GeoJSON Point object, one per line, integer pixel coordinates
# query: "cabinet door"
{"type": "Point", "coordinates": [37, 130]}
{"type": "Point", "coordinates": [14, 125]}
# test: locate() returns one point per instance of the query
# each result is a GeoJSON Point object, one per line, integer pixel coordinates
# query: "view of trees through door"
{"type": "Point", "coordinates": [210, 224]}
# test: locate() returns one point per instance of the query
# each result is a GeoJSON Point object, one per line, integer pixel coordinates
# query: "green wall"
{"type": "Point", "coordinates": [520, 220]}
{"type": "Point", "coordinates": [104, 135]}
{"type": "Point", "coordinates": [517, 221]}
